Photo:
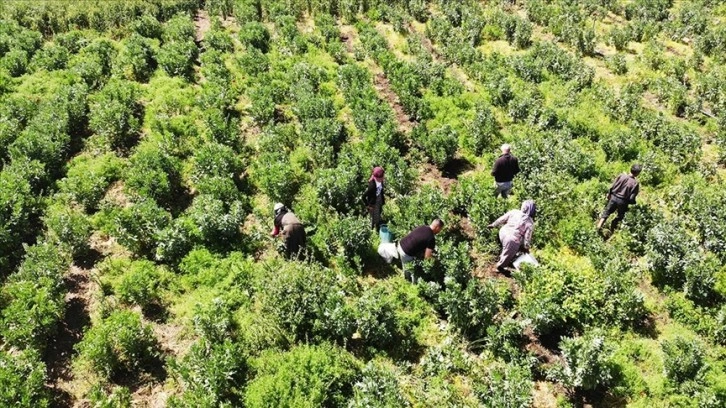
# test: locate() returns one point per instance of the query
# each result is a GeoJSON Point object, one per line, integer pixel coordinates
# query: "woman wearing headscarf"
{"type": "Point", "coordinates": [374, 198]}
{"type": "Point", "coordinates": [516, 233]}
{"type": "Point", "coordinates": [290, 228]}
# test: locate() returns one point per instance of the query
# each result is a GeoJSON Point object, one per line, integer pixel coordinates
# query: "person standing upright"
{"type": "Point", "coordinates": [621, 194]}
{"type": "Point", "coordinates": [374, 197]}
{"type": "Point", "coordinates": [505, 168]}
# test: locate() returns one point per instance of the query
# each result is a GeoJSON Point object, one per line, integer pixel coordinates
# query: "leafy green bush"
{"type": "Point", "coordinates": [140, 284]}
{"type": "Point", "coordinates": [119, 344]}
{"type": "Point", "coordinates": [483, 131]}
{"type": "Point", "coordinates": [275, 176]}
{"type": "Point", "coordinates": [506, 386]}
{"type": "Point", "coordinates": [683, 359]}
{"type": "Point", "coordinates": [67, 227]}
{"type": "Point", "coordinates": [217, 222]}
{"type": "Point", "coordinates": [255, 35]}
{"type": "Point", "coordinates": [115, 113]}
{"type": "Point", "coordinates": [387, 317]}
{"type": "Point", "coordinates": [31, 313]}
{"type": "Point", "coordinates": [210, 374]}
{"type": "Point", "coordinates": [153, 173]}
{"type": "Point", "coordinates": [304, 376]}
{"type": "Point", "coordinates": [378, 387]}
{"type": "Point", "coordinates": [50, 58]}
{"type": "Point", "coordinates": [22, 380]}
{"type": "Point", "coordinates": [118, 397]}
{"type": "Point", "coordinates": [471, 307]}
{"type": "Point", "coordinates": [136, 61]}
{"type": "Point", "coordinates": [307, 301]}
{"type": "Point", "coordinates": [670, 251]}
{"type": "Point", "coordinates": [19, 207]}
{"type": "Point", "coordinates": [587, 362]}
{"type": "Point", "coordinates": [147, 26]}
{"type": "Point", "coordinates": [88, 177]}
{"type": "Point", "coordinates": [136, 227]}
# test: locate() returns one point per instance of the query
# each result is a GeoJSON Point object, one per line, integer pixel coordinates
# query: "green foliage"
{"type": "Point", "coordinates": [307, 301]}
{"type": "Point", "coordinates": [137, 227]}
{"type": "Point", "coordinates": [88, 177]}
{"type": "Point", "coordinates": [683, 359]}
{"type": "Point", "coordinates": [119, 344]}
{"type": "Point", "coordinates": [587, 362]}
{"type": "Point", "coordinates": [140, 284]}
{"type": "Point", "coordinates": [210, 374]}
{"type": "Point", "coordinates": [155, 174]}
{"type": "Point", "coordinates": [136, 61]}
{"type": "Point", "coordinates": [115, 113]}
{"type": "Point", "coordinates": [670, 250]}
{"type": "Point", "coordinates": [255, 35]}
{"type": "Point", "coordinates": [50, 58]}
{"type": "Point", "coordinates": [68, 228]}
{"type": "Point", "coordinates": [506, 386]}
{"type": "Point", "coordinates": [304, 376]}
{"type": "Point", "coordinates": [438, 144]}
{"type": "Point", "coordinates": [275, 176]}
{"type": "Point", "coordinates": [31, 314]}
{"type": "Point", "coordinates": [378, 387]}
{"type": "Point", "coordinates": [178, 51]}
{"type": "Point", "coordinates": [119, 397]}
{"type": "Point", "coordinates": [22, 380]}
{"type": "Point", "coordinates": [482, 132]}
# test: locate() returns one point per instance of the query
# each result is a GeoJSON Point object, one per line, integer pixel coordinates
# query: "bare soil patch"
{"type": "Point", "coordinates": [202, 25]}
{"type": "Point", "coordinates": [60, 352]}
{"type": "Point", "coordinates": [383, 86]}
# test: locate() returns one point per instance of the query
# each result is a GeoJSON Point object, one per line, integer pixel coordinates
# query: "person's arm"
{"type": "Point", "coordinates": [528, 236]}
{"type": "Point", "coordinates": [275, 231]}
{"type": "Point", "coordinates": [636, 190]}
{"type": "Point", "coordinates": [367, 194]}
{"type": "Point", "coordinates": [501, 220]}
{"type": "Point", "coordinates": [495, 168]}
{"type": "Point", "coordinates": [428, 253]}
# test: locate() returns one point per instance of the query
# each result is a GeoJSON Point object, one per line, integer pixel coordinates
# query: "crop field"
{"type": "Point", "coordinates": [143, 145]}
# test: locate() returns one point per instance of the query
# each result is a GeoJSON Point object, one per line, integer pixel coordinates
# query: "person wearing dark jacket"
{"type": "Point", "coordinates": [374, 197]}
{"type": "Point", "coordinates": [291, 229]}
{"type": "Point", "coordinates": [621, 194]}
{"type": "Point", "coordinates": [505, 168]}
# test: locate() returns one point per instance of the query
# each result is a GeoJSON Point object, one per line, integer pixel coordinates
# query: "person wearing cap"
{"type": "Point", "coordinates": [505, 168]}
{"type": "Point", "coordinates": [374, 197]}
{"type": "Point", "coordinates": [516, 233]}
{"type": "Point", "coordinates": [621, 194]}
{"type": "Point", "coordinates": [290, 228]}
{"type": "Point", "coordinates": [419, 243]}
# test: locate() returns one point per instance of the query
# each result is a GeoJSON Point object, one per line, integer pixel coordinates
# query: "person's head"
{"type": "Point", "coordinates": [529, 208]}
{"type": "Point", "coordinates": [506, 148]}
{"type": "Point", "coordinates": [377, 174]}
{"type": "Point", "coordinates": [635, 169]}
{"type": "Point", "coordinates": [436, 225]}
{"type": "Point", "coordinates": [278, 208]}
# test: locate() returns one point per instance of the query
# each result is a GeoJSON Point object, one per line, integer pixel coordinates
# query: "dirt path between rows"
{"type": "Point", "coordinates": [202, 25]}
{"type": "Point", "coordinates": [60, 352]}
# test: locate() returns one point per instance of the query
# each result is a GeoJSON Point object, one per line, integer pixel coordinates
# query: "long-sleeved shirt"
{"type": "Point", "coordinates": [505, 168]}
{"type": "Point", "coordinates": [284, 221]}
{"type": "Point", "coordinates": [625, 188]}
{"type": "Point", "coordinates": [518, 226]}
{"type": "Point", "coordinates": [374, 193]}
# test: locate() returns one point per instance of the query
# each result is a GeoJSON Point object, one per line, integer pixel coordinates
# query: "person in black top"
{"type": "Point", "coordinates": [621, 194]}
{"type": "Point", "coordinates": [505, 168]}
{"type": "Point", "coordinates": [374, 197]}
{"type": "Point", "coordinates": [419, 243]}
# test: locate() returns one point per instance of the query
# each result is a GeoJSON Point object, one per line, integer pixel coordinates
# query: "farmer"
{"type": "Point", "coordinates": [373, 197]}
{"type": "Point", "coordinates": [291, 229]}
{"type": "Point", "coordinates": [505, 168]}
{"type": "Point", "coordinates": [419, 243]}
{"type": "Point", "coordinates": [516, 234]}
{"type": "Point", "coordinates": [621, 194]}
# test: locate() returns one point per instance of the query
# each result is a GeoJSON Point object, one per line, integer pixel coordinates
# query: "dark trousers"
{"type": "Point", "coordinates": [376, 218]}
{"type": "Point", "coordinates": [294, 236]}
{"type": "Point", "coordinates": [613, 205]}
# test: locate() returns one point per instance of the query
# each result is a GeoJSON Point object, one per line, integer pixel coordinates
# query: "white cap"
{"type": "Point", "coordinates": [277, 206]}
